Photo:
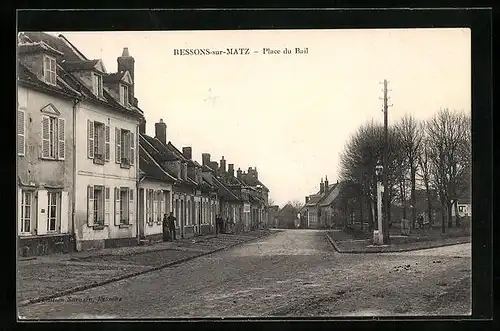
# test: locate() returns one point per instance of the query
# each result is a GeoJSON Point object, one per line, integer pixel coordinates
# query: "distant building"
{"type": "Point", "coordinates": [334, 205]}
{"type": "Point", "coordinates": [273, 216]}
{"type": "Point", "coordinates": [288, 217]}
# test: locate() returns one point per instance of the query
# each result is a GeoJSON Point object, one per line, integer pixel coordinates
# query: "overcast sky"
{"type": "Point", "coordinates": [288, 115]}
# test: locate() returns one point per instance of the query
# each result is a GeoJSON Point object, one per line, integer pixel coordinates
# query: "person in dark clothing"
{"type": "Point", "coordinates": [171, 226]}
{"type": "Point", "coordinates": [165, 227]}
{"type": "Point", "coordinates": [218, 224]}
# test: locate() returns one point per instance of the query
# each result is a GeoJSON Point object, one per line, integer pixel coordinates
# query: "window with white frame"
{"type": "Point", "coordinates": [53, 138]}
{"type": "Point", "coordinates": [124, 95]}
{"type": "Point", "coordinates": [49, 70]}
{"type": "Point", "coordinates": [123, 204]}
{"type": "Point", "coordinates": [161, 205]}
{"type": "Point", "coordinates": [125, 147]}
{"type": "Point", "coordinates": [26, 211]}
{"type": "Point", "coordinates": [53, 211]}
{"type": "Point", "coordinates": [98, 141]}
{"type": "Point", "coordinates": [99, 196]}
{"type": "Point", "coordinates": [149, 204]}
{"type": "Point", "coordinates": [97, 84]}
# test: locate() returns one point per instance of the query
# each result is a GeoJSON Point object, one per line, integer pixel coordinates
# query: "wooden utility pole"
{"type": "Point", "coordinates": [385, 222]}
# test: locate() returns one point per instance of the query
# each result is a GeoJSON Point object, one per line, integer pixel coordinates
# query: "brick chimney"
{"type": "Point", "coordinates": [205, 159]}
{"type": "Point", "coordinates": [238, 173]}
{"type": "Point", "coordinates": [187, 151]}
{"type": "Point", "coordinates": [321, 186]}
{"type": "Point", "coordinates": [230, 170]}
{"type": "Point", "coordinates": [126, 63]}
{"type": "Point", "coordinates": [307, 200]}
{"type": "Point", "coordinates": [222, 165]}
{"type": "Point", "coordinates": [161, 131]}
{"type": "Point", "coordinates": [326, 183]}
{"type": "Point", "coordinates": [142, 126]}
{"type": "Point", "coordinates": [215, 167]}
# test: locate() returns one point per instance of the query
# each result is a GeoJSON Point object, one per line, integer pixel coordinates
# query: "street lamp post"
{"type": "Point", "coordinates": [378, 237]}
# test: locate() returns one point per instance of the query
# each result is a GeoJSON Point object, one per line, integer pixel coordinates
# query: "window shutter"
{"type": "Point", "coordinates": [62, 145]}
{"type": "Point", "coordinates": [90, 139]}
{"type": "Point", "coordinates": [45, 137]}
{"type": "Point", "coordinates": [64, 213]}
{"type": "Point", "coordinates": [20, 133]}
{"type": "Point", "coordinates": [162, 206]}
{"type": "Point", "coordinates": [117, 206]}
{"type": "Point", "coordinates": [19, 209]}
{"type": "Point", "coordinates": [118, 145]}
{"type": "Point", "coordinates": [148, 206]}
{"type": "Point", "coordinates": [132, 148]}
{"type": "Point", "coordinates": [106, 206]}
{"type": "Point", "coordinates": [107, 149]}
{"type": "Point", "coordinates": [131, 209]}
{"type": "Point", "coordinates": [90, 205]}
{"type": "Point", "coordinates": [155, 206]}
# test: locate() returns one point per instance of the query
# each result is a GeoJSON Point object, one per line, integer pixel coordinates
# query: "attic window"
{"type": "Point", "coordinates": [124, 94]}
{"type": "Point", "coordinates": [49, 70]}
{"type": "Point", "coordinates": [97, 84]}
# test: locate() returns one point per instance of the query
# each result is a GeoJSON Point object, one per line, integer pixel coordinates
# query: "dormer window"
{"type": "Point", "coordinates": [49, 70]}
{"type": "Point", "coordinates": [97, 84]}
{"type": "Point", "coordinates": [124, 95]}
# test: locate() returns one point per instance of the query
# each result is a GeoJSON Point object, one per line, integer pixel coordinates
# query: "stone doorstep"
{"type": "Point", "coordinates": [124, 276]}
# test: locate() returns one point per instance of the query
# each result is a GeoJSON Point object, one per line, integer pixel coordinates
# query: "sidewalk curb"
{"type": "Point", "coordinates": [395, 250]}
{"type": "Point", "coordinates": [130, 275]}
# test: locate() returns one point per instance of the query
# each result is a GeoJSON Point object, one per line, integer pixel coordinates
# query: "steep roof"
{"type": "Point", "coordinates": [150, 168]}
{"type": "Point", "coordinates": [26, 76]}
{"type": "Point", "coordinates": [224, 191]}
{"type": "Point", "coordinates": [59, 43]}
{"type": "Point", "coordinates": [70, 58]}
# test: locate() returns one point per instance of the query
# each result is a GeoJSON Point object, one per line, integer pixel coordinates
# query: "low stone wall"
{"type": "Point", "coordinates": [205, 229]}
{"type": "Point", "coordinates": [43, 245]}
{"type": "Point", "coordinates": [120, 242]}
{"type": "Point", "coordinates": [188, 231]}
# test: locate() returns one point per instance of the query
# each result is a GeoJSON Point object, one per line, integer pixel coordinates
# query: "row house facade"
{"type": "Point", "coordinates": [192, 198]}
{"type": "Point", "coordinates": [89, 177]}
{"type": "Point", "coordinates": [45, 160]}
{"type": "Point", "coordinates": [93, 138]}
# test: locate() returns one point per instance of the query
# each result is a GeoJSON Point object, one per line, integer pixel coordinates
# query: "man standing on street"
{"type": "Point", "coordinates": [171, 226]}
{"type": "Point", "coordinates": [165, 227]}
{"type": "Point", "coordinates": [217, 224]}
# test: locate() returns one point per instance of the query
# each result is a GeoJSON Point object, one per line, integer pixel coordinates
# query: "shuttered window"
{"type": "Point", "coordinates": [49, 70]}
{"type": "Point", "coordinates": [21, 136]}
{"type": "Point", "coordinates": [53, 138]}
{"type": "Point", "coordinates": [61, 135]}
{"type": "Point", "coordinates": [107, 147]}
{"type": "Point", "coordinates": [132, 148]}
{"type": "Point", "coordinates": [90, 139]}
{"type": "Point", "coordinates": [118, 149]}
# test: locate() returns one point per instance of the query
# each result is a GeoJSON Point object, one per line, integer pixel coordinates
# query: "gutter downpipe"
{"type": "Point", "coordinates": [76, 101]}
{"type": "Point", "coordinates": [137, 181]}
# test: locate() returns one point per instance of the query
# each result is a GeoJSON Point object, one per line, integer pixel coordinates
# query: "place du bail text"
{"type": "Point", "coordinates": [241, 51]}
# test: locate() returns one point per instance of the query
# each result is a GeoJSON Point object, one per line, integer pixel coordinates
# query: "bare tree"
{"type": "Point", "coordinates": [296, 204]}
{"type": "Point", "coordinates": [448, 135]}
{"type": "Point", "coordinates": [270, 202]}
{"type": "Point", "coordinates": [425, 171]}
{"type": "Point", "coordinates": [359, 159]}
{"type": "Point", "coordinates": [410, 136]}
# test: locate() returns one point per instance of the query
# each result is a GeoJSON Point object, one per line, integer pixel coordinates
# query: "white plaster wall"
{"type": "Point", "coordinates": [110, 174]}
{"type": "Point", "coordinates": [34, 171]}
{"type": "Point", "coordinates": [155, 185]}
